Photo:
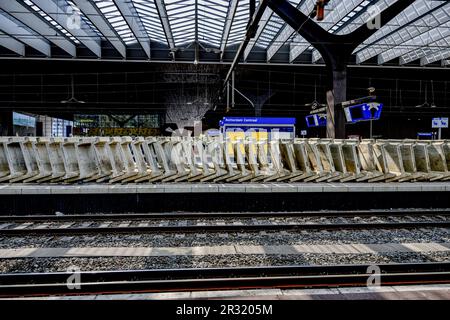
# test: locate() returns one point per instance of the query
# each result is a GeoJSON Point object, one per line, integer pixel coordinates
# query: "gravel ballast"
{"type": "Point", "coordinates": [139, 263]}
{"type": "Point", "coordinates": [438, 235]}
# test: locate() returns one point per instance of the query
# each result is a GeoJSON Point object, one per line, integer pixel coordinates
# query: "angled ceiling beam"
{"type": "Point", "coordinates": [264, 20]}
{"type": "Point", "coordinates": [94, 14]}
{"type": "Point", "coordinates": [131, 17]}
{"type": "Point", "coordinates": [299, 45]}
{"type": "Point", "coordinates": [435, 56]}
{"type": "Point", "coordinates": [340, 14]}
{"type": "Point", "coordinates": [27, 16]}
{"type": "Point", "coordinates": [12, 44]}
{"type": "Point", "coordinates": [162, 12]}
{"type": "Point", "coordinates": [427, 50]}
{"type": "Point", "coordinates": [227, 28]}
{"type": "Point", "coordinates": [21, 33]}
{"type": "Point", "coordinates": [416, 41]}
{"type": "Point", "coordinates": [393, 33]}
{"type": "Point", "coordinates": [61, 16]}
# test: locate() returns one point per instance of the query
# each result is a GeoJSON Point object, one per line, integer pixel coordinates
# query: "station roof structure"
{"type": "Point", "coordinates": [171, 30]}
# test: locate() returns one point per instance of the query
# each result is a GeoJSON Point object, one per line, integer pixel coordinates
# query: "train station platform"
{"type": "Point", "coordinates": [24, 199]}
{"type": "Point", "coordinates": [167, 188]}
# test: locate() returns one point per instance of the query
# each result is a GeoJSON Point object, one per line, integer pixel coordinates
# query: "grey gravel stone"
{"type": "Point", "coordinates": [136, 263]}
{"type": "Point", "coordinates": [437, 235]}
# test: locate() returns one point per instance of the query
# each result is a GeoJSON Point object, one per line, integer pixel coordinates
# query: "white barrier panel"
{"type": "Point", "coordinates": [276, 161]}
{"type": "Point", "coordinates": [289, 160]}
{"type": "Point", "coordinates": [423, 161]}
{"type": "Point", "coordinates": [215, 156]}
{"type": "Point", "coordinates": [190, 159]}
{"type": "Point", "coordinates": [16, 160]}
{"type": "Point", "coordinates": [446, 149]}
{"type": "Point", "coordinates": [327, 161]}
{"type": "Point", "coordinates": [239, 152]}
{"type": "Point", "coordinates": [302, 162]}
{"type": "Point", "coordinates": [38, 151]}
{"type": "Point", "coordinates": [230, 164]}
{"type": "Point", "coordinates": [409, 162]}
{"type": "Point", "coordinates": [438, 163]}
{"type": "Point", "coordinates": [178, 158]}
{"type": "Point", "coordinates": [156, 173]}
{"type": "Point", "coordinates": [70, 160]}
{"type": "Point", "coordinates": [394, 162]}
{"type": "Point", "coordinates": [161, 158]}
{"type": "Point", "coordinates": [141, 168]}
{"type": "Point", "coordinates": [103, 159]}
{"type": "Point", "coordinates": [56, 156]}
{"type": "Point", "coordinates": [315, 160]}
{"type": "Point", "coordinates": [266, 167]}
{"type": "Point", "coordinates": [351, 161]}
{"type": "Point", "coordinates": [193, 159]}
{"type": "Point", "coordinates": [87, 160]}
{"type": "Point", "coordinates": [4, 163]}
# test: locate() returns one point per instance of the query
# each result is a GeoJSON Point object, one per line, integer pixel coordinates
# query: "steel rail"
{"type": "Point", "coordinates": [226, 228]}
{"type": "Point", "coordinates": [200, 279]}
{"type": "Point", "coordinates": [223, 215]}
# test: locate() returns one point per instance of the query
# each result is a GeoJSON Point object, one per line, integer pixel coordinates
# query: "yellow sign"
{"type": "Point", "coordinates": [233, 136]}
{"type": "Point", "coordinates": [124, 132]}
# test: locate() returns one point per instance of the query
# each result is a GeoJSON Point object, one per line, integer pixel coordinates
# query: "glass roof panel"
{"type": "Point", "coordinates": [182, 15]}
{"type": "Point", "coordinates": [212, 15]}
{"type": "Point", "coordinates": [239, 24]}
{"type": "Point", "coordinates": [114, 17]}
{"type": "Point", "coordinates": [51, 21]}
{"type": "Point", "coordinates": [272, 28]}
{"type": "Point", "coordinates": [91, 28]}
{"type": "Point", "coordinates": [149, 16]}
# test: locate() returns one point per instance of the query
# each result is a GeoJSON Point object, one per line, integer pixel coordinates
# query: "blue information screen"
{"type": "Point", "coordinates": [363, 112]}
{"type": "Point", "coordinates": [315, 120]}
{"type": "Point", "coordinates": [256, 121]}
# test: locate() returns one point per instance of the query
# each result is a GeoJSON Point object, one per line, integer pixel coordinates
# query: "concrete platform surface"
{"type": "Point", "coordinates": [416, 292]}
{"type": "Point", "coordinates": [221, 250]}
{"type": "Point", "coordinates": [223, 188]}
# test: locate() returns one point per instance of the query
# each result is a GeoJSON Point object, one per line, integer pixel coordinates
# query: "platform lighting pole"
{"type": "Point", "coordinates": [252, 6]}
{"type": "Point", "coordinates": [232, 89]}
{"type": "Point", "coordinates": [228, 95]}
{"type": "Point", "coordinates": [196, 46]}
{"type": "Point", "coordinates": [335, 49]}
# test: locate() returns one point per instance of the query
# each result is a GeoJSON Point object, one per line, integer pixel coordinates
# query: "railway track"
{"type": "Point", "coordinates": [198, 279]}
{"type": "Point", "coordinates": [223, 222]}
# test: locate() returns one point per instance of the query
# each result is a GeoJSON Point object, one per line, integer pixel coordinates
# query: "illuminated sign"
{"type": "Point", "coordinates": [256, 121]}
{"type": "Point", "coordinates": [259, 128]}
{"type": "Point", "coordinates": [23, 120]}
{"type": "Point", "coordinates": [119, 131]}
{"type": "Point", "coordinates": [363, 112]}
{"type": "Point", "coordinates": [439, 123]}
{"type": "Point", "coordinates": [316, 120]}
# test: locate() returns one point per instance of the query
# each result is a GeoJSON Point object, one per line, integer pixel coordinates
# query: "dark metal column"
{"type": "Point", "coordinates": [6, 123]}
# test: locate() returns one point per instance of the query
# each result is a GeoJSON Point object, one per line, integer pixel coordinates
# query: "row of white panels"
{"type": "Point", "coordinates": [175, 159]}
